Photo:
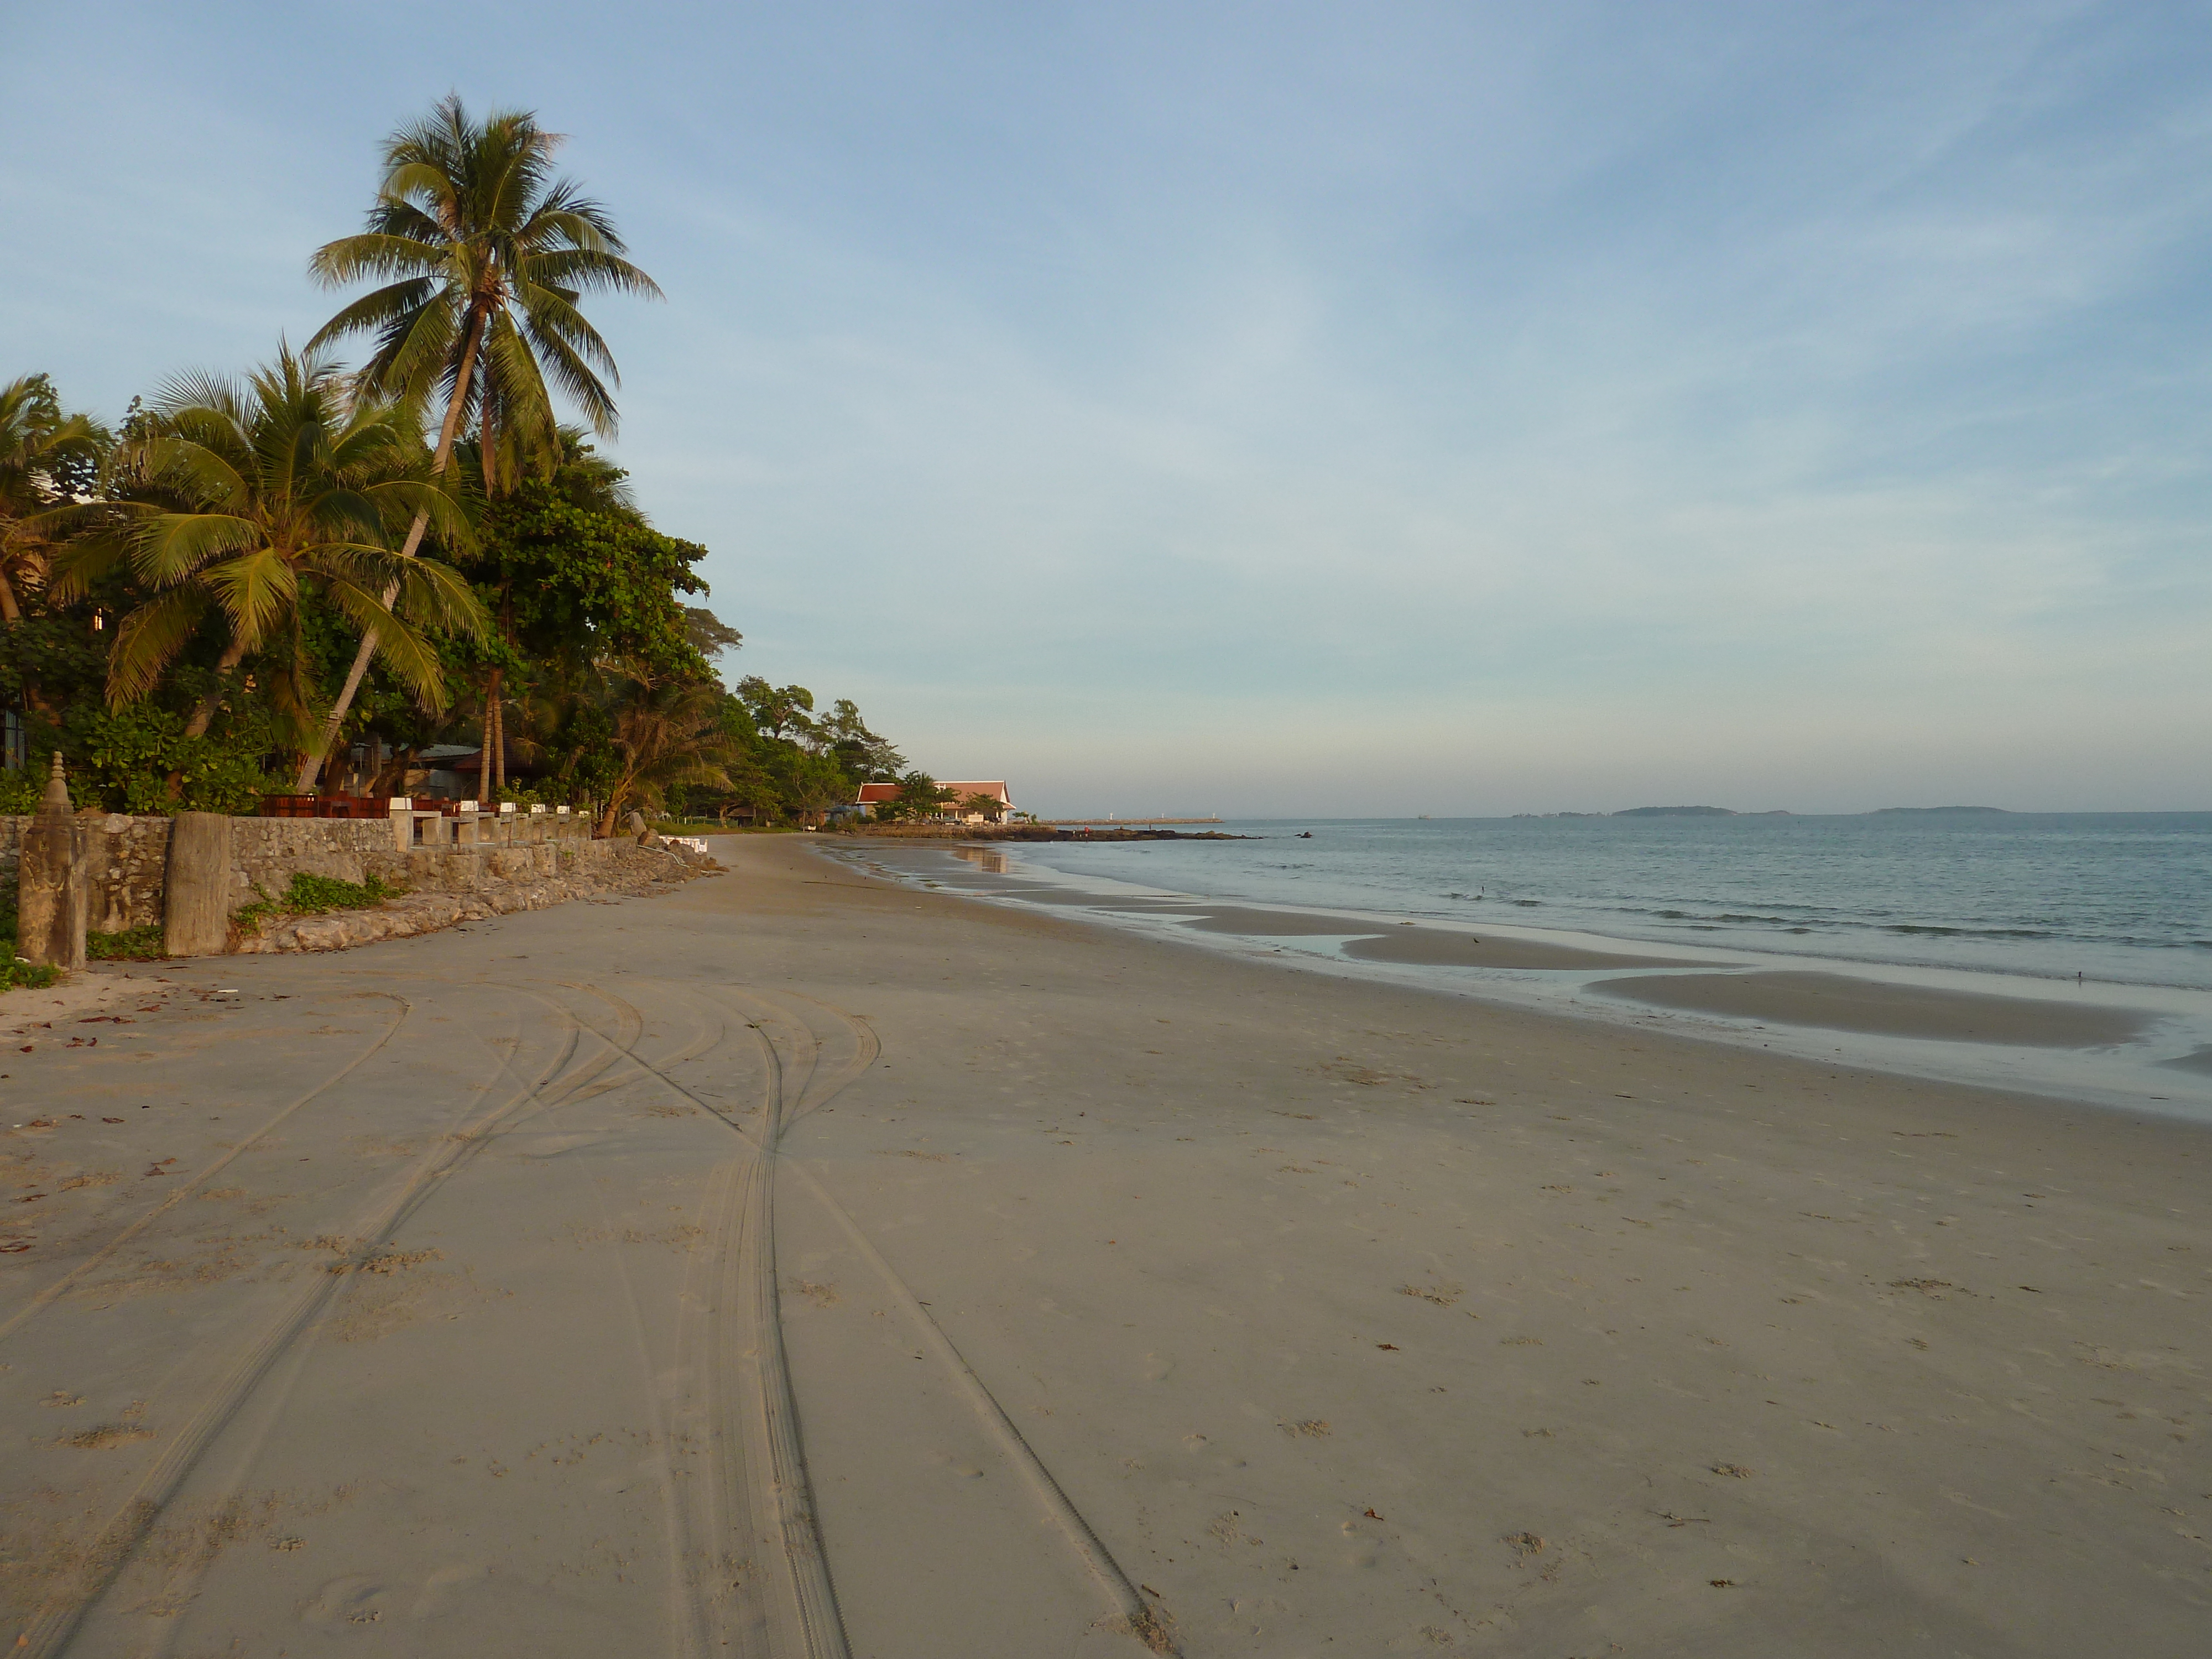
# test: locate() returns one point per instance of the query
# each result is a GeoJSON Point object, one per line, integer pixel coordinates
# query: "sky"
{"type": "Point", "coordinates": [1299, 409]}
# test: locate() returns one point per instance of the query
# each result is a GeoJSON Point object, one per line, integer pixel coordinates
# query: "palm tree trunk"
{"type": "Point", "coordinates": [499, 706]}
{"type": "Point", "coordinates": [11, 613]}
{"type": "Point", "coordinates": [204, 715]}
{"type": "Point", "coordinates": [312, 765]}
{"type": "Point", "coordinates": [499, 736]}
{"type": "Point", "coordinates": [493, 741]}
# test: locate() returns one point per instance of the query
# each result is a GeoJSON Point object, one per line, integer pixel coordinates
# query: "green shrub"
{"type": "Point", "coordinates": [122, 760]}
{"type": "Point", "coordinates": [250, 916]}
{"type": "Point", "coordinates": [313, 896]}
{"type": "Point", "coordinates": [132, 944]}
{"type": "Point", "coordinates": [14, 975]}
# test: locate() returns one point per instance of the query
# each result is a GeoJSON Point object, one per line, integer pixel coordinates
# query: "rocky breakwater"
{"type": "Point", "coordinates": [506, 881]}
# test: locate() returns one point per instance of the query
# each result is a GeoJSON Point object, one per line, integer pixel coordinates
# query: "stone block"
{"type": "Point", "coordinates": [52, 882]}
{"type": "Point", "coordinates": [196, 896]}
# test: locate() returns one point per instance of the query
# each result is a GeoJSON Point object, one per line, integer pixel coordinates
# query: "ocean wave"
{"type": "Point", "coordinates": [1707, 922]}
{"type": "Point", "coordinates": [1934, 931]}
{"type": "Point", "coordinates": [1794, 924]}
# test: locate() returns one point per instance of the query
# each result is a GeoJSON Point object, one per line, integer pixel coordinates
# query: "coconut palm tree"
{"type": "Point", "coordinates": [38, 442]}
{"type": "Point", "coordinates": [488, 254]}
{"type": "Point", "coordinates": [665, 732]}
{"type": "Point", "coordinates": [989, 808]}
{"type": "Point", "coordinates": [242, 498]}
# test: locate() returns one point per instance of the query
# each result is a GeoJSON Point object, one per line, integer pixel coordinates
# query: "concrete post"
{"type": "Point", "coordinates": [195, 908]}
{"type": "Point", "coordinates": [52, 882]}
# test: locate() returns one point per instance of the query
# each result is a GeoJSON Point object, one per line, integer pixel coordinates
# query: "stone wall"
{"type": "Point", "coordinates": [267, 852]}
{"type": "Point", "coordinates": [129, 860]}
{"type": "Point", "coordinates": [128, 857]}
{"type": "Point", "coordinates": [441, 855]}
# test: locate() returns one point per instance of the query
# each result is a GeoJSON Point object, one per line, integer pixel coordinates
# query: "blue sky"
{"type": "Point", "coordinates": [1293, 407]}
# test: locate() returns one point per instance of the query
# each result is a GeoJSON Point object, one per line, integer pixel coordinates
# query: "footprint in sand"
{"type": "Point", "coordinates": [349, 1600]}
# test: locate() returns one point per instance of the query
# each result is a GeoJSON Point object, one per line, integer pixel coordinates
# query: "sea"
{"type": "Point", "coordinates": [2109, 910]}
{"type": "Point", "coordinates": [2123, 897]}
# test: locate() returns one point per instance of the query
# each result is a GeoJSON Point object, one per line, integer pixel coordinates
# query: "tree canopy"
{"type": "Point", "coordinates": [395, 562]}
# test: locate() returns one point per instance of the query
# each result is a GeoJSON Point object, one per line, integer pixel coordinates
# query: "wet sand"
{"type": "Point", "coordinates": [1433, 947]}
{"type": "Point", "coordinates": [1837, 1002]}
{"type": "Point", "coordinates": [1413, 945]}
{"type": "Point", "coordinates": [798, 1265]}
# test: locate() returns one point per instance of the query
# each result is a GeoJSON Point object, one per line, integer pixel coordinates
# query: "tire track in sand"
{"type": "Point", "coordinates": [54, 1629]}
{"type": "Point", "coordinates": [61, 1287]}
{"type": "Point", "coordinates": [808, 1061]}
{"type": "Point", "coordinates": [599, 1079]}
{"type": "Point", "coordinates": [740, 1399]}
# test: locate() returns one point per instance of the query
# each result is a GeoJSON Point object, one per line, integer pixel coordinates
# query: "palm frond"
{"type": "Point", "coordinates": [552, 313]}
{"type": "Point", "coordinates": [519, 402]}
{"type": "Point", "coordinates": [167, 548]}
{"type": "Point", "coordinates": [438, 596]}
{"type": "Point", "coordinates": [83, 564]}
{"type": "Point", "coordinates": [419, 351]}
{"type": "Point", "coordinates": [345, 514]}
{"type": "Point", "coordinates": [580, 270]}
{"type": "Point", "coordinates": [400, 646]}
{"type": "Point", "coordinates": [576, 217]}
{"type": "Point", "coordinates": [196, 390]}
{"type": "Point", "coordinates": [569, 370]}
{"type": "Point", "coordinates": [398, 500]}
{"type": "Point", "coordinates": [376, 310]}
{"type": "Point", "coordinates": [148, 641]}
{"type": "Point", "coordinates": [256, 589]}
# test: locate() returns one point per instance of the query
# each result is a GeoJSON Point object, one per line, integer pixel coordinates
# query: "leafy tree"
{"type": "Point", "coordinates": [40, 449]}
{"type": "Point", "coordinates": [810, 784]}
{"type": "Point", "coordinates": [570, 563]}
{"type": "Point", "coordinates": [247, 498]}
{"type": "Point", "coordinates": [662, 733]}
{"type": "Point", "coordinates": [920, 796]}
{"type": "Point", "coordinates": [577, 577]}
{"type": "Point", "coordinates": [710, 635]}
{"type": "Point", "coordinates": [256, 537]}
{"type": "Point", "coordinates": [777, 711]}
{"type": "Point", "coordinates": [567, 723]}
{"type": "Point", "coordinates": [866, 756]}
{"type": "Point", "coordinates": [141, 760]}
{"type": "Point", "coordinates": [489, 254]}
{"type": "Point", "coordinates": [979, 804]}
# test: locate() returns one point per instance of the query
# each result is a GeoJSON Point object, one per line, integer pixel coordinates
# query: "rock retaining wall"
{"type": "Point", "coordinates": [127, 859]}
{"type": "Point", "coordinates": [499, 863]}
{"type": "Point", "coordinates": [585, 870]}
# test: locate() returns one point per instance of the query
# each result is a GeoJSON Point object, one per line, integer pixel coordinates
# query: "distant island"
{"type": "Point", "coordinates": [1731, 812]}
{"type": "Point", "coordinates": [1694, 812]}
{"type": "Point", "coordinates": [1666, 812]}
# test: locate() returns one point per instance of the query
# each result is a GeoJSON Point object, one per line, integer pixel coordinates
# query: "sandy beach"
{"type": "Point", "coordinates": [802, 1265]}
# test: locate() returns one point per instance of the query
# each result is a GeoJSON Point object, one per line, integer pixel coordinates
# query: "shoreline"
{"type": "Point", "coordinates": [1867, 899]}
{"type": "Point", "coordinates": [995, 1283]}
{"type": "Point", "coordinates": [2130, 1047]}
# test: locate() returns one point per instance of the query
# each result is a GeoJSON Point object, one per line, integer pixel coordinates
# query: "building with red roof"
{"type": "Point", "coordinates": [873, 795]}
